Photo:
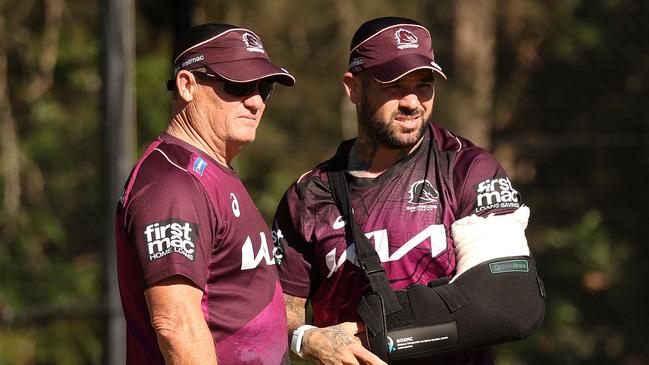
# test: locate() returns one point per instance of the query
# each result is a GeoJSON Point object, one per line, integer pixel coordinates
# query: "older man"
{"type": "Point", "coordinates": [197, 276]}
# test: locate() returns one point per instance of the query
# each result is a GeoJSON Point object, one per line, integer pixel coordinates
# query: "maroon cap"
{"type": "Point", "coordinates": [388, 48]}
{"type": "Point", "coordinates": [236, 54]}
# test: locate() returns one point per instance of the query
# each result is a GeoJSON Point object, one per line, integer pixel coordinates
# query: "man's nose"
{"type": "Point", "coordinates": [409, 102]}
{"type": "Point", "coordinates": [254, 102]}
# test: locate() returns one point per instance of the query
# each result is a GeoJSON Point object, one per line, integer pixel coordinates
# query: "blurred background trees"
{"type": "Point", "coordinates": [556, 89]}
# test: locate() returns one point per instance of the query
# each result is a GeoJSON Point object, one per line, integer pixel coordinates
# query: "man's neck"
{"type": "Point", "coordinates": [369, 159]}
{"type": "Point", "coordinates": [180, 128]}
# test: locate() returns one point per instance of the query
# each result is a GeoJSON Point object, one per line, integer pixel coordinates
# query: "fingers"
{"type": "Point", "coordinates": [339, 344]}
{"type": "Point", "coordinates": [361, 353]}
{"type": "Point", "coordinates": [364, 356]}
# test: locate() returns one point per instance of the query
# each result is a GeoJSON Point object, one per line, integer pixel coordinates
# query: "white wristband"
{"type": "Point", "coordinates": [296, 340]}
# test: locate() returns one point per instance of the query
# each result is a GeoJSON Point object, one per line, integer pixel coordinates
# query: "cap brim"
{"type": "Point", "coordinates": [252, 69]}
{"type": "Point", "coordinates": [400, 66]}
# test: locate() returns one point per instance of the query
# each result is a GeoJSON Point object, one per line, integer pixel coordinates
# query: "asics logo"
{"type": "Point", "coordinates": [235, 205]}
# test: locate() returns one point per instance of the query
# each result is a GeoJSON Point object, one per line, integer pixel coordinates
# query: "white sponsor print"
{"type": "Point", "coordinates": [194, 59]}
{"type": "Point", "coordinates": [496, 193]}
{"type": "Point", "coordinates": [339, 223]}
{"type": "Point", "coordinates": [248, 258]}
{"type": "Point", "coordinates": [235, 205]}
{"type": "Point", "coordinates": [278, 252]}
{"type": "Point", "coordinates": [277, 235]}
{"type": "Point", "coordinates": [435, 234]}
{"type": "Point", "coordinates": [356, 62]}
{"type": "Point", "coordinates": [166, 237]}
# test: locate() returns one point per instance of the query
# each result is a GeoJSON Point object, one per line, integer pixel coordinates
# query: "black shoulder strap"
{"type": "Point", "coordinates": [367, 256]}
{"type": "Point", "coordinates": [444, 169]}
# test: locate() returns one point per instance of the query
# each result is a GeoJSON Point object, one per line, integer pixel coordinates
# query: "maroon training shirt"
{"type": "Point", "coordinates": [182, 213]}
{"type": "Point", "coordinates": [406, 212]}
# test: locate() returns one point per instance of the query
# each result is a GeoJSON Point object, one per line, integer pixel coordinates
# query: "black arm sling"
{"type": "Point", "coordinates": [494, 302]}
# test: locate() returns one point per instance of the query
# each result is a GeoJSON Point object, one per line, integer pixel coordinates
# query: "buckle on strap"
{"type": "Point", "coordinates": [372, 267]}
{"type": "Point", "coordinates": [380, 285]}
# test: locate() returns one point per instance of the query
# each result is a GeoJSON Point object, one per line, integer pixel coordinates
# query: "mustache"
{"type": "Point", "coordinates": [408, 113]}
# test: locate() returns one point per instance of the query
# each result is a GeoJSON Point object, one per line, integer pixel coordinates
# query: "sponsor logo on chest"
{"type": "Point", "coordinates": [432, 239]}
{"type": "Point", "coordinates": [170, 236]}
{"type": "Point", "coordinates": [250, 260]}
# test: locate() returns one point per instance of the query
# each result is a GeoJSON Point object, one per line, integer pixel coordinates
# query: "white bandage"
{"type": "Point", "coordinates": [296, 340]}
{"type": "Point", "coordinates": [479, 239]}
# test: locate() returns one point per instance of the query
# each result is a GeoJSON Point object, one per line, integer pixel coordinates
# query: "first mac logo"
{"type": "Point", "coordinates": [169, 236]}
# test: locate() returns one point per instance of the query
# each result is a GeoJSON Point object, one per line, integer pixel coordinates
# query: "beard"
{"type": "Point", "coordinates": [385, 132]}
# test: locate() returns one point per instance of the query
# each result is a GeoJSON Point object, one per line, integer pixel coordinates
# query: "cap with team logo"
{"type": "Point", "coordinates": [234, 53]}
{"type": "Point", "coordinates": [390, 47]}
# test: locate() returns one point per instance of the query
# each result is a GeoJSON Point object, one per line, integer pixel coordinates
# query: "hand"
{"type": "Point", "coordinates": [337, 345]}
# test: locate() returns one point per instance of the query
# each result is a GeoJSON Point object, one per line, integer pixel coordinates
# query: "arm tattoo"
{"type": "Point", "coordinates": [295, 311]}
{"type": "Point", "coordinates": [328, 341]}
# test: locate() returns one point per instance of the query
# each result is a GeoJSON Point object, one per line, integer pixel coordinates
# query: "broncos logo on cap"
{"type": "Point", "coordinates": [252, 42]}
{"type": "Point", "coordinates": [406, 39]}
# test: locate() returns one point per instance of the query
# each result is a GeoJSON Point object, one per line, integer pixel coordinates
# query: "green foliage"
{"type": "Point", "coordinates": [50, 270]}
{"type": "Point", "coordinates": [580, 264]}
{"type": "Point", "coordinates": [153, 99]}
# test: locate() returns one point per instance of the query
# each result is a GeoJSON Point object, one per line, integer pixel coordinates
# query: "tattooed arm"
{"type": "Point", "coordinates": [295, 312]}
{"type": "Point", "coordinates": [335, 345]}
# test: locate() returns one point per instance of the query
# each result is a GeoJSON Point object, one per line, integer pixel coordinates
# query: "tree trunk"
{"type": "Point", "coordinates": [473, 77]}
{"type": "Point", "coordinates": [48, 54]}
{"type": "Point", "coordinates": [348, 120]}
{"type": "Point", "coordinates": [119, 150]}
{"type": "Point", "coordinates": [9, 151]}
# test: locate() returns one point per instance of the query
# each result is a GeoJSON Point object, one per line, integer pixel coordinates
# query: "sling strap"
{"type": "Point", "coordinates": [367, 256]}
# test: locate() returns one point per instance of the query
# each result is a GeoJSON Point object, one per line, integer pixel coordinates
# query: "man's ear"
{"type": "Point", "coordinates": [353, 87]}
{"type": "Point", "coordinates": [185, 84]}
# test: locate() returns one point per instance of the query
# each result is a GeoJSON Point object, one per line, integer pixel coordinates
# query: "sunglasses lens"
{"type": "Point", "coordinates": [240, 89]}
{"type": "Point", "coordinates": [266, 89]}
{"type": "Point", "coordinates": [248, 88]}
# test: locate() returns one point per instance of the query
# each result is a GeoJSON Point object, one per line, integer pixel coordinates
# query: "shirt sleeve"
{"type": "Point", "coordinates": [482, 185]}
{"type": "Point", "coordinates": [171, 225]}
{"type": "Point", "coordinates": [295, 253]}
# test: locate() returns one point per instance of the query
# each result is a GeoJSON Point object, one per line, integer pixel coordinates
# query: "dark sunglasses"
{"type": "Point", "coordinates": [240, 89]}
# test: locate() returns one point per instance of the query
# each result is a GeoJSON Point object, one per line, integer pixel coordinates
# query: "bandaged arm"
{"type": "Point", "coordinates": [479, 239]}
{"type": "Point", "coordinates": [496, 295]}
{"type": "Point", "coordinates": [502, 294]}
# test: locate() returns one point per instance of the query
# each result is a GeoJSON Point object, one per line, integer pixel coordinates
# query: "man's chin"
{"type": "Point", "coordinates": [401, 144]}
{"type": "Point", "coordinates": [405, 140]}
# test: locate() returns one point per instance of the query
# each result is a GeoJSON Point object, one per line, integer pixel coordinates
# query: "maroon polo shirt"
{"type": "Point", "coordinates": [182, 213]}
